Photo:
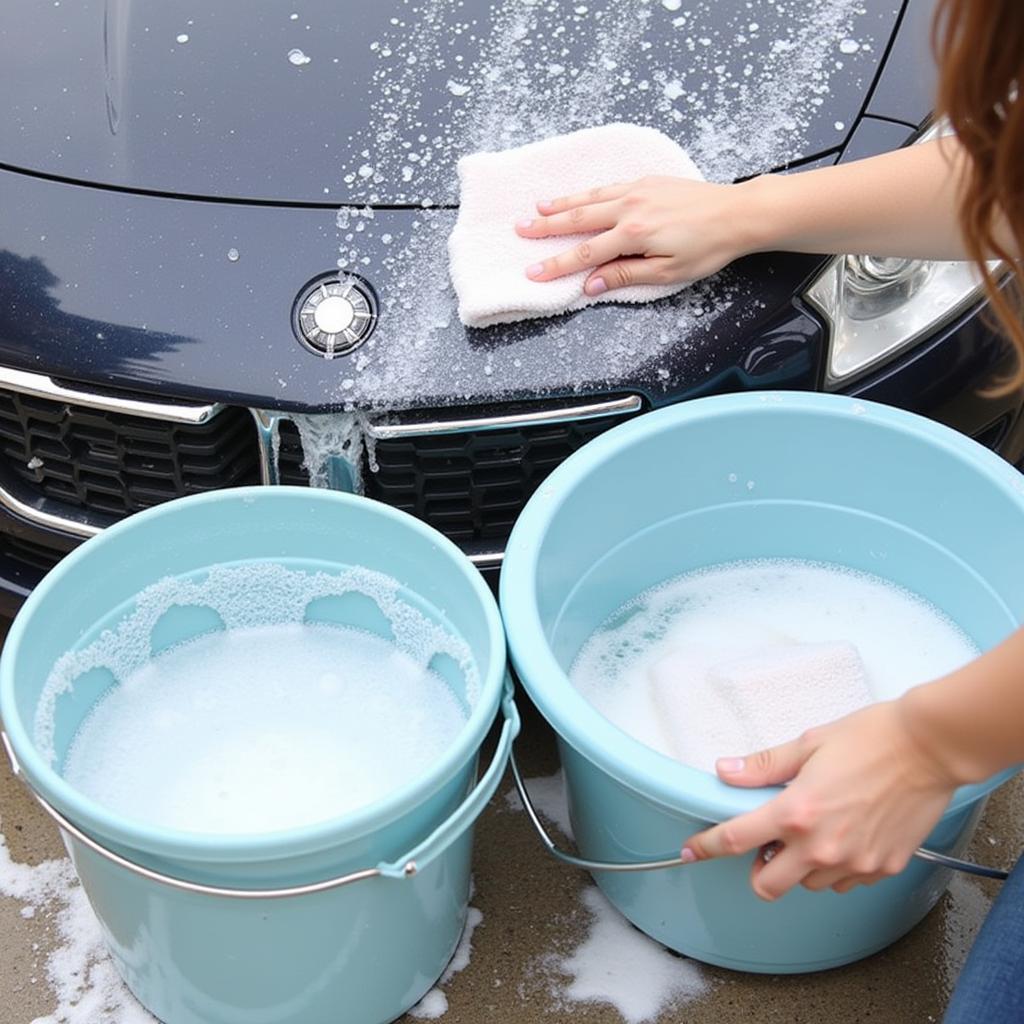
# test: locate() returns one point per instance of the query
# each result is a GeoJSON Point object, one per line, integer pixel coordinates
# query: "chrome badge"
{"type": "Point", "coordinates": [335, 315]}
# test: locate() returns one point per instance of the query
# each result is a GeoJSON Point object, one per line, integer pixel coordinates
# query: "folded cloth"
{"type": "Point", "coordinates": [488, 259]}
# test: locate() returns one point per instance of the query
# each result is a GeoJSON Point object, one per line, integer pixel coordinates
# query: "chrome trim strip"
{"type": "Point", "coordinates": [267, 424]}
{"type": "Point", "coordinates": [588, 411]}
{"type": "Point", "coordinates": [487, 559]}
{"type": "Point", "coordinates": [39, 517]}
{"type": "Point", "coordinates": [40, 386]}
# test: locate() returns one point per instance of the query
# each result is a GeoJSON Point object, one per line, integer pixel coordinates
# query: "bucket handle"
{"type": "Point", "coordinates": [404, 867]}
{"type": "Point", "coordinates": [922, 853]}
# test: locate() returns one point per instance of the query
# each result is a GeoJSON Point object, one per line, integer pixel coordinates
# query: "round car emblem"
{"type": "Point", "coordinates": [334, 315]}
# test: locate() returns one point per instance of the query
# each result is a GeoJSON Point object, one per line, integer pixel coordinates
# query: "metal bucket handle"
{"type": "Point", "coordinates": [404, 867]}
{"type": "Point", "coordinates": [968, 867]}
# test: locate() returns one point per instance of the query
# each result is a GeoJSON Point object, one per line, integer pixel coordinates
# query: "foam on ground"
{"type": "Point", "coordinates": [550, 799]}
{"type": "Point", "coordinates": [435, 1003]}
{"type": "Point", "coordinates": [617, 965]}
{"type": "Point", "coordinates": [85, 984]}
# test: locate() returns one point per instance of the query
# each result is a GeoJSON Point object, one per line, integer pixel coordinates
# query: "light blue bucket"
{"type": "Point", "coordinates": [352, 919]}
{"type": "Point", "coordinates": [740, 477]}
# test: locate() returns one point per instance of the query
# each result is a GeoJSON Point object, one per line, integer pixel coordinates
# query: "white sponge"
{"type": "Point", "coordinates": [758, 701]}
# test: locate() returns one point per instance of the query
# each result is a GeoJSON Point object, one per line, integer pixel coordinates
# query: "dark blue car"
{"type": "Point", "coordinates": [222, 247]}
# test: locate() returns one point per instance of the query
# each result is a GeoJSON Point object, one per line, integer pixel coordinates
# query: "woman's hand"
{"type": "Point", "coordinates": [652, 231]}
{"type": "Point", "coordinates": [865, 792]}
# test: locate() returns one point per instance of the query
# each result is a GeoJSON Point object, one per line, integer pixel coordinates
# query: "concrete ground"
{"type": "Point", "coordinates": [531, 907]}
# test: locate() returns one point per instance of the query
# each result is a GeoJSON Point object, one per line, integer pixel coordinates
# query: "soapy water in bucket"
{"type": "Point", "coordinates": [738, 657]}
{"type": "Point", "coordinates": [274, 721]}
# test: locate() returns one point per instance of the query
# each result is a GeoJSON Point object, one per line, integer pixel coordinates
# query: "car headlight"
{"type": "Point", "coordinates": [877, 306]}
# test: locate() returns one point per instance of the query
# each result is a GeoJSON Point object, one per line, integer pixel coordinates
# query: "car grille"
{"type": "Point", "coordinates": [28, 554]}
{"type": "Point", "coordinates": [92, 465]}
{"type": "Point", "coordinates": [470, 485]}
{"type": "Point", "coordinates": [111, 464]}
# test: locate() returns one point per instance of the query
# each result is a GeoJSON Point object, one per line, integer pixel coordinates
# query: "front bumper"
{"type": "Point", "coordinates": [947, 378]}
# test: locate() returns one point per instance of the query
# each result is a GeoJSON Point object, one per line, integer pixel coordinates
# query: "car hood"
{"type": "Point", "coordinates": [321, 102]}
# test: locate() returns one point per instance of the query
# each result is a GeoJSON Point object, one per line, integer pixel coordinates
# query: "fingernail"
{"type": "Point", "coordinates": [544, 205]}
{"type": "Point", "coordinates": [535, 271]}
{"type": "Point", "coordinates": [729, 765]}
{"type": "Point", "coordinates": [524, 225]}
{"type": "Point", "coordinates": [595, 286]}
{"type": "Point", "coordinates": [687, 856]}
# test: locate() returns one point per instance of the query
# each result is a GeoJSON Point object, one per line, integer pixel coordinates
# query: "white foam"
{"type": "Point", "coordinates": [617, 964]}
{"type": "Point", "coordinates": [79, 970]}
{"type": "Point", "coordinates": [699, 652]}
{"type": "Point", "coordinates": [739, 99]}
{"type": "Point", "coordinates": [549, 798]}
{"type": "Point", "coordinates": [267, 728]}
{"type": "Point", "coordinates": [435, 1003]}
{"type": "Point", "coordinates": [245, 596]}
{"type": "Point", "coordinates": [328, 436]}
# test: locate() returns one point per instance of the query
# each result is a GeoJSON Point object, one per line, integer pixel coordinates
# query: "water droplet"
{"type": "Point", "coordinates": [849, 46]}
{"type": "Point", "coordinates": [458, 88]}
{"type": "Point", "coordinates": [298, 58]}
{"type": "Point", "coordinates": [671, 5]}
{"type": "Point", "coordinates": [183, 38]}
{"type": "Point", "coordinates": [840, 125]}
{"type": "Point", "coordinates": [293, 17]}
{"type": "Point", "coordinates": [233, 255]}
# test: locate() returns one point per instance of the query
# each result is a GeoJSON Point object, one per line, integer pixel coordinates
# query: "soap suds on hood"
{"type": "Point", "coordinates": [740, 95]}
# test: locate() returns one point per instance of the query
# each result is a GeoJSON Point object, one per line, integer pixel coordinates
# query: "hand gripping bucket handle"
{"type": "Point", "coordinates": [404, 867]}
{"type": "Point", "coordinates": [966, 866]}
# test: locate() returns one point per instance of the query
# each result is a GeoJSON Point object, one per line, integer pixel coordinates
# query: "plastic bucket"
{"type": "Point", "coordinates": [354, 918]}
{"type": "Point", "coordinates": [738, 477]}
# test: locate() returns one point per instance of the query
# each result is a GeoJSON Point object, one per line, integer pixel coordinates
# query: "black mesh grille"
{"type": "Point", "coordinates": [114, 463]}
{"type": "Point", "coordinates": [470, 486]}
{"type": "Point", "coordinates": [290, 467]}
{"type": "Point", "coordinates": [36, 556]}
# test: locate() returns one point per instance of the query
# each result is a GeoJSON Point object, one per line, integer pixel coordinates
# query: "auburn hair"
{"type": "Point", "coordinates": [979, 46]}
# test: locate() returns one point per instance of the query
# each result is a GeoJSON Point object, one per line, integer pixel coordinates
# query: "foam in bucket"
{"type": "Point", "coordinates": [319, 690]}
{"type": "Point", "coordinates": [263, 729]}
{"type": "Point", "coordinates": [738, 657]}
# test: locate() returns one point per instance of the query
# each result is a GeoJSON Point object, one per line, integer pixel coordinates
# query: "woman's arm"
{"type": "Point", "coordinates": [663, 230]}
{"type": "Point", "coordinates": [867, 789]}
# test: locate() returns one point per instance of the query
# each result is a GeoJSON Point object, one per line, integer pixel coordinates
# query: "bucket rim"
{"type": "Point", "coordinates": [216, 848]}
{"type": "Point", "coordinates": [630, 762]}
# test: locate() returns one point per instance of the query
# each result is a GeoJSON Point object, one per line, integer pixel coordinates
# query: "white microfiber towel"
{"type": "Point", "coordinates": [489, 259]}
